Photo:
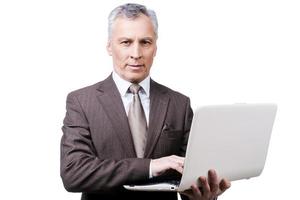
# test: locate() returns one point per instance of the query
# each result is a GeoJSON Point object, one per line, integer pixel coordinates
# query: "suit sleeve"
{"type": "Point", "coordinates": [187, 127]}
{"type": "Point", "coordinates": [81, 169]}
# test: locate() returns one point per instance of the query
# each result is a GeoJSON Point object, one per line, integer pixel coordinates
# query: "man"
{"type": "Point", "coordinates": [128, 128]}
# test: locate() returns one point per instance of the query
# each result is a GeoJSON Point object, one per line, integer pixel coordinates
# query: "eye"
{"type": "Point", "coordinates": [125, 42]}
{"type": "Point", "coordinates": [146, 42]}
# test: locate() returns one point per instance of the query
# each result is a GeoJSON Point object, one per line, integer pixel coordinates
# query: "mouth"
{"type": "Point", "coordinates": [135, 66]}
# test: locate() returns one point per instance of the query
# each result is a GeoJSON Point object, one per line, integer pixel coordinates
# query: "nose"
{"type": "Point", "coordinates": [136, 52]}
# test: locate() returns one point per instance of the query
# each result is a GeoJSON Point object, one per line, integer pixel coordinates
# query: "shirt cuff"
{"type": "Point", "coordinates": [150, 171]}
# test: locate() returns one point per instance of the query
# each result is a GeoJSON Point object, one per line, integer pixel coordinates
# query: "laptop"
{"type": "Point", "coordinates": [232, 139]}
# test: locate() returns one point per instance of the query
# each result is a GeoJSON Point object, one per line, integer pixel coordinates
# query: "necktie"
{"type": "Point", "coordinates": [137, 121]}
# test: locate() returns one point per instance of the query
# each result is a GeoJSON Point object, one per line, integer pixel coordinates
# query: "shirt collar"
{"type": "Point", "coordinates": [123, 85]}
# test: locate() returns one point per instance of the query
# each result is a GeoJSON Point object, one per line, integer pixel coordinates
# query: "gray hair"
{"type": "Point", "coordinates": [131, 11]}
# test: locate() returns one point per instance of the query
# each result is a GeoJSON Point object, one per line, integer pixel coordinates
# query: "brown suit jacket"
{"type": "Point", "coordinates": [97, 152]}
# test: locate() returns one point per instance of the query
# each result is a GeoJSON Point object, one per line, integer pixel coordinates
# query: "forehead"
{"type": "Point", "coordinates": [138, 27]}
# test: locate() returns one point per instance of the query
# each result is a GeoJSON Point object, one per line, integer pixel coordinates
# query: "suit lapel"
{"type": "Point", "coordinates": [112, 103]}
{"type": "Point", "coordinates": [158, 109]}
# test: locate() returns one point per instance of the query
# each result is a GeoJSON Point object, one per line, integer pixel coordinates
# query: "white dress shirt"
{"type": "Point", "coordinates": [127, 97]}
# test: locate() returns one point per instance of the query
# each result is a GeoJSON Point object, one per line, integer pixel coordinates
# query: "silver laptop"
{"type": "Point", "coordinates": [232, 139]}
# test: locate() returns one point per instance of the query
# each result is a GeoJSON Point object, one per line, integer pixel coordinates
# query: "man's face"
{"type": "Point", "coordinates": [132, 46]}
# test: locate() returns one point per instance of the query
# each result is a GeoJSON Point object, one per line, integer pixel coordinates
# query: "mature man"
{"type": "Point", "coordinates": [128, 128]}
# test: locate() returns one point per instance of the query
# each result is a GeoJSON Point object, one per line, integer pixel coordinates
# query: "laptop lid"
{"type": "Point", "coordinates": [232, 139]}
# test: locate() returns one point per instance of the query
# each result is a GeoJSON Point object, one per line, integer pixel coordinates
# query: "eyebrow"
{"type": "Point", "coordinates": [145, 38]}
{"type": "Point", "coordinates": [123, 38]}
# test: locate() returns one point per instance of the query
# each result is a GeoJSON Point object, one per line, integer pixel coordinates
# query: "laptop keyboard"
{"type": "Point", "coordinates": [173, 182]}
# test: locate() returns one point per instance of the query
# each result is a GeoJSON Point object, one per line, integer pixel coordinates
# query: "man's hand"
{"type": "Point", "coordinates": [160, 165]}
{"type": "Point", "coordinates": [210, 188]}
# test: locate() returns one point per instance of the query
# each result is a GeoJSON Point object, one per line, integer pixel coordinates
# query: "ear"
{"type": "Point", "coordinates": [109, 47]}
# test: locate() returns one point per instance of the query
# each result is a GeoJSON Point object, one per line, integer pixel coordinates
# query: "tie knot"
{"type": "Point", "coordinates": [134, 88]}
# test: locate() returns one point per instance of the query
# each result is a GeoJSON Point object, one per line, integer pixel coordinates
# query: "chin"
{"type": "Point", "coordinates": [134, 78]}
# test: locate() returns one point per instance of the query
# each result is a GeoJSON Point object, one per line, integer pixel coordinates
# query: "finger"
{"type": "Point", "coordinates": [177, 159]}
{"type": "Point", "coordinates": [224, 185]}
{"type": "Point", "coordinates": [196, 192]}
{"type": "Point", "coordinates": [177, 166]}
{"type": "Point", "coordinates": [176, 163]}
{"type": "Point", "coordinates": [205, 186]}
{"type": "Point", "coordinates": [213, 181]}
{"type": "Point", "coordinates": [188, 193]}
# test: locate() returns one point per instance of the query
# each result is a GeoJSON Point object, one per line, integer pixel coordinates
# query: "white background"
{"type": "Point", "coordinates": [213, 51]}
